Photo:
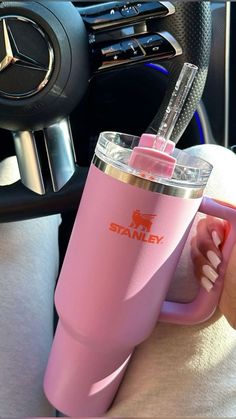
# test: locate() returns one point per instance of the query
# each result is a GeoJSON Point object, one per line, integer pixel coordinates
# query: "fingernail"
{"type": "Point", "coordinates": [210, 273]}
{"type": "Point", "coordinates": [213, 258]}
{"type": "Point", "coordinates": [206, 283]}
{"type": "Point", "coordinates": [216, 239]}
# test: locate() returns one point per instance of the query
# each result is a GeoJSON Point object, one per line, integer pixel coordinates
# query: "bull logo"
{"type": "Point", "coordinates": [142, 220]}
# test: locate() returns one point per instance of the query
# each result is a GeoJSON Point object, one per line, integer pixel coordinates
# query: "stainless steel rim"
{"type": "Point", "coordinates": [148, 185]}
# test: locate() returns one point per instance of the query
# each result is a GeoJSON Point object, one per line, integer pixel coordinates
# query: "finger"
{"type": "Point", "coordinates": [209, 224]}
{"type": "Point", "coordinates": [203, 241]}
{"type": "Point", "coordinates": [212, 227]}
{"type": "Point", "coordinates": [204, 270]}
{"type": "Point", "coordinates": [216, 229]}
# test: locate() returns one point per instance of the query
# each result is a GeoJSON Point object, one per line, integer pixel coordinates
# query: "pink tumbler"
{"type": "Point", "coordinates": [127, 239]}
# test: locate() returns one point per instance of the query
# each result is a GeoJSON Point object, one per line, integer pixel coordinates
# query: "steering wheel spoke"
{"type": "Point", "coordinates": [60, 156]}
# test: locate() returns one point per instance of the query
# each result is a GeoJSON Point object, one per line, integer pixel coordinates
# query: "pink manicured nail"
{"type": "Point", "coordinates": [210, 273]}
{"type": "Point", "coordinates": [206, 283]}
{"type": "Point", "coordinates": [216, 239]}
{"type": "Point", "coordinates": [213, 258]}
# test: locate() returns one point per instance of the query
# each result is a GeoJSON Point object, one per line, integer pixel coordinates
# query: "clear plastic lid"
{"type": "Point", "coordinates": [115, 149]}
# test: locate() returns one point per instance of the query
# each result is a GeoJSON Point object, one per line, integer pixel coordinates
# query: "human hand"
{"type": "Point", "coordinates": [207, 259]}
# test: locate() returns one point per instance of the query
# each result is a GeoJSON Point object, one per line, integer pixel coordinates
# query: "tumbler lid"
{"type": "Point", "coordinates": [116, 149]}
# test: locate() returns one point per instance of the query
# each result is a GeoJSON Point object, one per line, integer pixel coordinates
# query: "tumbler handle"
{"type": "Point", "coordinates": [205, 303]}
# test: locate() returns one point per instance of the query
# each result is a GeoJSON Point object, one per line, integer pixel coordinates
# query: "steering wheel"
{"type": "Point", "coordinates": [50, 50]}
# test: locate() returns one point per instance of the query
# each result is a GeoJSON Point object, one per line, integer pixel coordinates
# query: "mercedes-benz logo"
{"type": "Point", "coordinates": [14, 61]}
{"type": "Point", "coordinates": [13, 55]}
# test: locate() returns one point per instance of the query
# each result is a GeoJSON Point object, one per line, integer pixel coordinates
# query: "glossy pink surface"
{"type": "Point", "coordinates": [147, 140]}
{"type": "Point", "coordinates": [152, 161]}
{"type": "Point", "coordinates": [122, 255]}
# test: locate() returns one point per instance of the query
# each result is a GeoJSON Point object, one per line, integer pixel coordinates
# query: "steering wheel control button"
{"type": "Point", "coordinates": [123, 51]}
{"type": "Point", "coordinates": [155, 44]}
{"type": "Point", "coordinates": [132, 49]}
{"type": "Point", "coordinates": [98, 16]}
{"type": "Point", "coordinates": [26, 58]}
{"type": "Point", "coordinates": [129, 11]}
{"type": "Point", "coordinates": [150, 8]}
{"type": "Point", "coordinates": [139, 48]}
{"type": "Point", "coordinates": [118, 13]}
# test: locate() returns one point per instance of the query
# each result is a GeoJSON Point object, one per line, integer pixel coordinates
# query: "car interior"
{"type": "Point", "coordinates": [70, 70]}
{"type": "Point", "coordinates": [124, 94]}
